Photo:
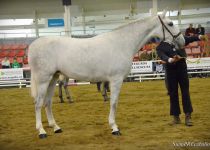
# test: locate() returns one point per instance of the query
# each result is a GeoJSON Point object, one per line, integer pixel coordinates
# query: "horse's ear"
{"type": "Point", "coordinates": [164, 13]}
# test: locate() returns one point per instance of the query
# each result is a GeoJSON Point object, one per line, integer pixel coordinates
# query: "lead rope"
{"type": "Point", "coordinates": [163, 33]}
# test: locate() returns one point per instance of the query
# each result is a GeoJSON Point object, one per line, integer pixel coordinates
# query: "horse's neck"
{"type": "Point", "coordinates": [135, 35]}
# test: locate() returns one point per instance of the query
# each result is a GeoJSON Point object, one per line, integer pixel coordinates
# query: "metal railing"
{"type": "Point", "coordinates": [25, 82]}
{"type": "Point", "coordinates": [15, 83]}
{"type": "Point", "coordinates": [158, 76]}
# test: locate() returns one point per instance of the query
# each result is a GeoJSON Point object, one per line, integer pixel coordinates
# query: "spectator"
{"type": "Point", "coordinates": [190, 31]}
{"type": "Point", "coordinates": [200, 30]}
{"type": "Point", "coordinates": [5, 63]}
{"type": "Point", "coordinates": [25, 61]}
{"type": "Point", "coordinates": [15, 64]}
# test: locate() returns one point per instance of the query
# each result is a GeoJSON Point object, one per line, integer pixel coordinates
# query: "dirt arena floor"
{"type": "Point", "coordinates": [143, 117]}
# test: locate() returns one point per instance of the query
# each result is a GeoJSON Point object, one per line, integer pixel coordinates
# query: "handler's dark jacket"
{"type": "Point", "coordinates": [176, 73]}
{"type": "Point", "coordinates": [166, 50]}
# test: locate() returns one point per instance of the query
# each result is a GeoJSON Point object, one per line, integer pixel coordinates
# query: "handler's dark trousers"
{"type": "Point", "coordinates": [177, 75]}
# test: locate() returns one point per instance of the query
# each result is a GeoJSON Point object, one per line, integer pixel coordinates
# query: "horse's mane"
{"type": "Point", "coordinates": [133, 22]}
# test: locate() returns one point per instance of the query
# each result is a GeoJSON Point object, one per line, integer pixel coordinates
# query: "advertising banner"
{"type": "Point", "coordinates": [152, 66]}
{"type": "Point", "coordinates": [8, 74]}
{"type": "Point", "coordinates": [142, 67]}
{"type": "Point", "coordinates": [198, 63]}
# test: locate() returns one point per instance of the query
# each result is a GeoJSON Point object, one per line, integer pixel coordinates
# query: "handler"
{"type": "Point", "coordinates": [176, 74]}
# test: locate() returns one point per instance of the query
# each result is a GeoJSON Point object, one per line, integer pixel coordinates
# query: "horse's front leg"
{"type": "Point", "coordinates": [115, 90]}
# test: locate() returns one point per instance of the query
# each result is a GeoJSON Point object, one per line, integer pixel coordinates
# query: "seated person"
{"type": "Point", "coordinates": [5, 63]}
{"type": "Point", "coordinates": [190, 31]}
{"type": "Point", "coordinates": [200, 30]}
{"type": "Point", "coordinates": [15, 64]}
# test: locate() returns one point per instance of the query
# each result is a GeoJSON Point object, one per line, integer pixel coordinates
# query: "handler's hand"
{"type": "Point", "coordinates": [176, 58]}
{"type": "Point", "coordinates": [161, 62]}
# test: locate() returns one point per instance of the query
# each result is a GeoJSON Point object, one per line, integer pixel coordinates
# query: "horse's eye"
{"type": "Point", "coordinates": [170, 24]}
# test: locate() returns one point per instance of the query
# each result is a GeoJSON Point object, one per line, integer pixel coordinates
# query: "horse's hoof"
{"type": "Point", "coordinates": [58, 131]}
{"type": "Point", "coordinates": [42, 136]}
{"type": "Point", "coordinates": [117, 133]}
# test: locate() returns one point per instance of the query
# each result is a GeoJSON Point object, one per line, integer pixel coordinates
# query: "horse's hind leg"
{"type": "Point", "coordinates": [68, 94]}
{"type": "Point", "coordinates": [48, 105]}
{"type": "Point", "coordinates": [106, 85]}
{"type": "Point", "coordinates": [104, 91]}
{"type": "Point", "coordinates": [98, 86]}
{"type": "Point", "coordinates": [60, 91]}
{"type": "Point", "coordinates": [39, 101]}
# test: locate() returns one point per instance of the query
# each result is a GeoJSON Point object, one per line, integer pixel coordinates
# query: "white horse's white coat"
{"type": "Point", "coordinates": [106, 57]}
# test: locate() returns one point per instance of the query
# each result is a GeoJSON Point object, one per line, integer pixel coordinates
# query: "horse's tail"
{"type": "Point", "coordinates": [33, 86]}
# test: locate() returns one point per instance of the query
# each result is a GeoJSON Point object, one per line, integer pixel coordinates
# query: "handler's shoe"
{"type": "Point", "coordinates": [176, 120]}
{"type": "Point", "coordinates": [188, 120]}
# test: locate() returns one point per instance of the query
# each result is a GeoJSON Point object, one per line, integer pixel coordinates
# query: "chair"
{"type": "Point", "coordinates": [20, 59]}
{"type": "Point", "coordinates": [20, 53]}
{"type": "Point", "coordinates": [12, 53]}
{"type": "Point", "coordinates": [193, 44]}
{"type": "Point", "coordinates": [188, 51]}
{"type": "Point", "coordinates": [196, 51]}
{"type": "Point", "coordinates": [4, 53]}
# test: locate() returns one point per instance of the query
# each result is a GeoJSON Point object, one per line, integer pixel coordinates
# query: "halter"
{"type": "Point", "coordinates": [165, 27]}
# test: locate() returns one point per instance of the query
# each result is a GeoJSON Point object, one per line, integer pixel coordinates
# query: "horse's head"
{"type": "Point", "coordinates": [167, 31]}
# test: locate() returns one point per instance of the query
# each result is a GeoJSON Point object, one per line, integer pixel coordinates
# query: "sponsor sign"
{"type": "Point", "coordinates": [198, 63]}
{"type": "Point", "coordinates": [8, 74]}
{"type": "Point", "coordinates": [142, 67]}
{"type": "Point", "coordinates": [151, 66]}
{"type": "Point", "coordinates": [55, 22]}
